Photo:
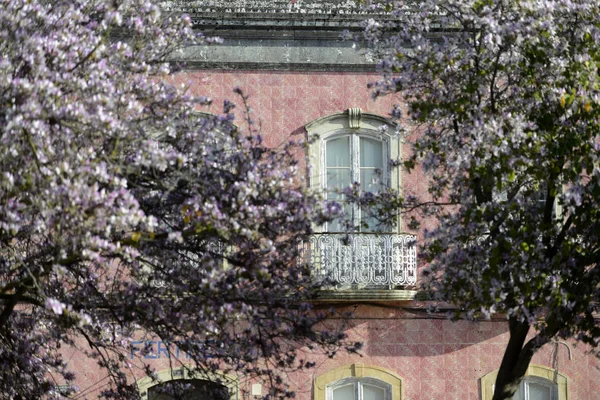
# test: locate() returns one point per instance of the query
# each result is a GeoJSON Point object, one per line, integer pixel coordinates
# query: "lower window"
{"type": "Point", "coordinates": [539, 383]}
{"type": "Point", "coordinates": [359, 389]}
{"type": "Point", "coordinates": [536, 388]}
{"type": "Point", "coordinates": [188, 389]}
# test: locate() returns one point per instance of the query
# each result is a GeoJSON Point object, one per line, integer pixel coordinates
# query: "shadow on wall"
{"type": "Point", "coordinates": [392, 332]}
{"type": "Point", "coordinates": [429, 336]}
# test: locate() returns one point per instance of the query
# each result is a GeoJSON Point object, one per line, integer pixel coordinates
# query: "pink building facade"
{"type": "Point", "coordinates": [287, 56]}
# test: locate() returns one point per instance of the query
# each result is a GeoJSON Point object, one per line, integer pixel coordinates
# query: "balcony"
{"type": "Point", "coordinates": [375, 261]}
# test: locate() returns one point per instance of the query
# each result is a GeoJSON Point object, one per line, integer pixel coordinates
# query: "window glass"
{"type": "Point", "coordinates": [344, 393]}
{"type": "Point", "coordinates": [371, 164]}
{"type": "Point", "coordinates": [360, 389]}
{"type": "Point", "coordinates": [337, 180]}
{"type": "Point", "coordinates": [349, 159]}
{"type": "Point", "coordinates": [535, 388]}
{"type": "Point", "coordinates": [538, 391]}
{"type": "Point", "coordinates": [339, 177]}
{"type": "Point", "coordinates": [371, 392]}
{"type": "Point", "coordinates": [540, 383]}
{"type": "Point", "coordinates": [370, 180]}
{"type": "Point", "coordinates": [374, 384]}
{"type": "Point", "coordinates": [371, 153]}
{"type": "Point", "coordinates": [338, 152]}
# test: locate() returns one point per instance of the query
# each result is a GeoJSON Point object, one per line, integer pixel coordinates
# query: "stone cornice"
{"type": "Point", "coordinates": [337, 14]}
{"type": "Point", "coordinates": [323, 7]}
{"type": "Point", "coordinates": [279, 35]}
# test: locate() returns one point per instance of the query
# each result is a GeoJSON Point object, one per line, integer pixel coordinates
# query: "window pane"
{"type": "Point", "coordinates": [370, 222]}
{"type": "Point", "coordinates": [371, 153]}
{"type": "Point", "coordinates": [337, 180]}
{"type": "Point", "coordinates": [340, 224]}
{"type": "Point", "coordinates": [538, 391]}
{"type": "Point", "coordinates": [344, 393]}
{"type": "Point", "coordinates": [338, 152]}
{"type": "Point", "coordinates": [372, 392]}
{"type": "Point", "coordinates": [519, 393]}
{"type": "Point", "coordinates": [370, 180]}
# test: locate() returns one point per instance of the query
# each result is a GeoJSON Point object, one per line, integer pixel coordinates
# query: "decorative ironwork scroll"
{"type": "Point", "coordinates": [363, 260]}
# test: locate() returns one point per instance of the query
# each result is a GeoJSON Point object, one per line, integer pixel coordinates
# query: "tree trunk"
{"type": "Point", "coordinates": [516, 359]}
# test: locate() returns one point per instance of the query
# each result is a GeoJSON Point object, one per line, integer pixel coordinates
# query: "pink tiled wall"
{"type": "Point", "coordinates": [443, 360]}
{"type": "Point", "coordinates": [284, 102]}
{"type": "Point", "coordinates": [436, 358]}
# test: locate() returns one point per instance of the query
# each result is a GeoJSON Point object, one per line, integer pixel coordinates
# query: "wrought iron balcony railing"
{"type": "Point", "coordinates": [363, 260]}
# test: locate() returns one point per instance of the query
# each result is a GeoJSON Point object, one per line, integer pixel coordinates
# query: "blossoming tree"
{"type": "Point", "coordinates": [125, 215]}
{"type": "Point", "coordinates": [505, 97]}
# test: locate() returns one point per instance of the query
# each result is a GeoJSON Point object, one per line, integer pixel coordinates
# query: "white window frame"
{"type": "Point", "coordinates": [354, 123]}
{"type": "Point", "coordinates": [557, 208]}
{"type": "Point", "coordinates": [523, 392]}
{"type": "Point", "coordinates": [358, 387]}
{"type": "Point", "coordinates": [383, 377]}
{"type": "Point", "coordinates": [355, 167]}
{"type": "Point", "coordinates": [535, 373]}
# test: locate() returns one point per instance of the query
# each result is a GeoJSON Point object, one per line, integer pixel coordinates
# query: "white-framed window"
{"type": "Point", "coordinates": [535, 194]}
{"type": "Point", "coordinates": [362, 249]}
{"type": "Point", "coordinates": [358, 382]}
{"type": "Point", "coordinates": [355, 158]}
{"type": "Point", "coordinates": [353, 147]}
{"type": "Point", "coordinates": [536, 388]}
{"type": "Point", "coordinates": [539, 383]}
{"type": "Point", "coordinates": [359, 389]}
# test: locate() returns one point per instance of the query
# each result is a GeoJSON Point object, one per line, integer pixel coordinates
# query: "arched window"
{"type": "Point", "coordinates": [180, 384]}
{"type": "Point", "coordinates": [360, 250]}
{"type": "Point", "coordinates": [360, 158]}
{"type": "Point", "coordinates": [188, 389]}
{"type": "Point", "coordinates": [358, 382]}
{"type": "Point", "coordinates": [539, 383]}
{"type": "Point", "coordinates": [359, 389]}
{"type": "Point", "coordinates": [536, 388]}
{"type": "Point", "coordinates": [353, 147]}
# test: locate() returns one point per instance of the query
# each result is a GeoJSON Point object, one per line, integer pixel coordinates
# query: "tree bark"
{"type": "Point", "coordinates": [516, 359]}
